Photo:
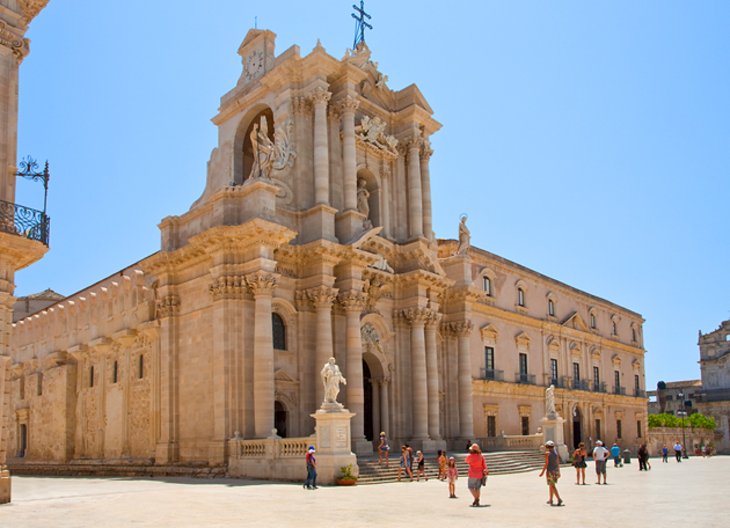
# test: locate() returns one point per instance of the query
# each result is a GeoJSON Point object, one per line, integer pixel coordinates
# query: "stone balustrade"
{"type": "Point", "coordinates": [268, 458]}
{"type": "Point", "coordinates": [512, 442]}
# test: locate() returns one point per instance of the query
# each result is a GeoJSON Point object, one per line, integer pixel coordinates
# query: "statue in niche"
{"type": "Point", "coordinates": [550, 402]}
{"type": "Point", "coordinates": [362, 198]}
{"type": "Point", "coordinates": [270, 155]}
{"type": "Point", "coordinates": [464, 237]}
{"type": "Point", "coordinates": [331, 379]}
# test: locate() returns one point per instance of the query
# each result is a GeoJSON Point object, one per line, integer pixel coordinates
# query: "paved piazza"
{"type": "Point", "coordinates": [669, 495]}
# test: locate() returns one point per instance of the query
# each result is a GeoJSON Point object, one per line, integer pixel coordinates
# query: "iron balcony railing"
{"type": "Point", "coordinates": [524, 378]}
{"type": "Point", "coordinates": [24, 221]}
{"type": "Point", "coordinates": [598, 387]}
{"type": "Point", "coordinates": [619, 390]}
{"type": "Point", "coordinates": [639, 393]}
{"type": "Point", "coordinates": [492, 374]}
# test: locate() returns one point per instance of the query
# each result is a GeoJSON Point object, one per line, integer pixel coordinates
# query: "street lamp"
{"type": "Point", "coordinates": [683, 414]}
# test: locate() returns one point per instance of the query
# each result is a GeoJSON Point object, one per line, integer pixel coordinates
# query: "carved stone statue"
{"type": "Point", "coordinates": [331, 379]}
{"type": "Point", "coordinates": [464, 237]}
{"type": "Point", "coordinates": [270, 155]}
{"type": "Point", "coordinates": [550, 402]}
{"type": "Point", "coordinates": [362, 198]}
{"type": "Point", "coordinates": [372, 131]}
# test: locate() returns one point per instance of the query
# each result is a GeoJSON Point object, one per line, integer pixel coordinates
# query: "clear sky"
{"type": "Point", "coordinates": [589, 141]}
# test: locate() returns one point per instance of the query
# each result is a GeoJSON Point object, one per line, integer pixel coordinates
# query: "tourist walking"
{"type": "Point", "coordinates": [441, 460]}
{"type": "Point", "coordinates": [600, 455]}
{"type": "Point", "coordinates": [452, 474]}
{"type": "Point", "coordinates": [478, 472]}
{"type": "Point", "coordinates": [665, 453]}
{"type": "Point", "coordinates": [551, 470]}
{"type": "Point", "coordinates": [405, 462]}
{"type": "Point", "coordinates": [383, 449]}
{"type": "Point", "coordinates": [420, 466]}
{"type": "Point", "coordinates": [678, 451]}
{"type": "Point", "coordinates": [311, 461]}
{"type": "Point", "coordinates": [616, 454]}
{"type": "Point", "coordinates": [579, 461]}
{"type": "Point", "coordinates": [643, 456]}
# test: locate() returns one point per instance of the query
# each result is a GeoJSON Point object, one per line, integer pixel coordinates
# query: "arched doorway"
{"type": "Point", "coordinates": [577, 419]}
{"type": "Point", "coordinates": [367, 382]}
{"type": "Point", "coordinates": [281, 417]}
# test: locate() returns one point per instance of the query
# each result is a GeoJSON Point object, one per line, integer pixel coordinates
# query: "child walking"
{"type": "Point", "coordinates": [442, 464]}
{"type": "Point", "coordinates": [452, 473]}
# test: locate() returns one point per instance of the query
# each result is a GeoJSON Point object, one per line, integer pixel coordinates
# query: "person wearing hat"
{"type": "Point", "coordinates": [600, 455]}
{"type": "Point", "coordinates": [477, 475]}
{"type": "Point", "coordinates": [311, 482]}
{"type": "Point", "coordinates": [551, 470]}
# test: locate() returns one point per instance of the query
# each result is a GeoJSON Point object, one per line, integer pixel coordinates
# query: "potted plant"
{"type": "Point", "coordinates": [346, 478]}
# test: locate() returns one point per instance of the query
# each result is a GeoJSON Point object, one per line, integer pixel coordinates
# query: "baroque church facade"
{"type": "Point", "coordinates": [313, 239]}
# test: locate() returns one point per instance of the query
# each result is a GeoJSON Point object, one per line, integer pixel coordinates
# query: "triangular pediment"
{"type": "Point", "coordinates": [576, 321]}
{"type": "Point", "coordinates": [281, 375]}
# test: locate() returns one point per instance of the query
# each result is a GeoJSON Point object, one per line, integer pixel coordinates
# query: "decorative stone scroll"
{"type": "Point", "coordinates": [371, 130]}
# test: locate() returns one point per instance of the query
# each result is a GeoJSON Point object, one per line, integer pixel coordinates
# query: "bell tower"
{"type": "Point", "coordinates": [21, 242]}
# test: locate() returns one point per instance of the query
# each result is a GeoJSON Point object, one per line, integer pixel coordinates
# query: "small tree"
{"type": "Point", "coordinates": [693, 420]}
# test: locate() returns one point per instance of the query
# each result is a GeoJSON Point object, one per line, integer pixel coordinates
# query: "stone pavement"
{"type": "Point", "coordinates": [669, 495]}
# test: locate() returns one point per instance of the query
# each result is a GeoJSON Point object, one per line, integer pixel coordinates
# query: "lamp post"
{"type": "Point", "coordinates": [683, 414]}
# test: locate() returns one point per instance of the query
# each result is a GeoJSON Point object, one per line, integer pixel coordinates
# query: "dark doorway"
{"type": "Point", "coordinates": [368, 395]}
{"type": "Point", "coordinates": [23, 440]}
{"type": "Point", "coordinates": [576, 428]}
{"type": "Point", "coordinates": [280, 419]}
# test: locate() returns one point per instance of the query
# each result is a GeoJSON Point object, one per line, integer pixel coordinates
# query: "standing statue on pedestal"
{"type": "Point", "coordinates": [464, 237]}
{"type": "Point", "coordinates": [331, 379]}
{"type": "Point", "coordinates": [550, 402]}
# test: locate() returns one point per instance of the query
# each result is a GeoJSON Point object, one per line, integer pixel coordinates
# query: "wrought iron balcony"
{"type": "Point", "coordinates": [598, 387]}
{"type": "Point", "coordinates": [492, 374]}
{"type": "Point", "coordinates": [639, 393]}
{"type": "Point", "coordinates": [524, 378]}
{"type": "Point", "coordinates": [24, 221]}
{"type": "Point", "coordinates": [619, 390]}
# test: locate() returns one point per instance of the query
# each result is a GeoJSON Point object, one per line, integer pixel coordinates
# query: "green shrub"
{"type": "Point", "coordinates": [693, 420]}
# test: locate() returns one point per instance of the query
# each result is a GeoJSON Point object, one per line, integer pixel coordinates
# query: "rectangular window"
{"type": "Point", "coordinates": [638, 428]}
{"type": "Point", "coordinates": [91, 376]}
{"type": "Point", "coordinates": [115, 372]}
{"type": "Point", "coordinates": [520, 296]}
{"type": "Point", "coordinates": [487, 285]}
{"type": "Point", "coordinates": [551, 308]}
{"type": "Point", "coordinates": [525, 425]}
{"type": "Point", "coordinates": [618, 429]}
{"type": "Point", "coordinates": [21, 387]}
{"type": "Point", "coordinates": [637, 384]}
{"type": "Point", "coordinates": [491, 426]}
{"type": "Point", "coordinates": [489, 358]}
{"type": "Point", "coordinates": [617, 381]}
{"type": "Point", "coordinates": [596, 376]}
{"type": "Point", "coordinates": [554, 371]}
{"type": "Point", "coordinates": [39, 386]}
{"type": "Point", "coordinates": [141, 366]}
{"type": "Point", "coordinates": [523, 365]}
{"type": "Point", "coordinates": [576, 371]}
{"type": "Point", "coordinates": [598, 428]}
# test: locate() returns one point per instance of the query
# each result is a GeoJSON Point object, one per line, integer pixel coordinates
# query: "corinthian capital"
{"type": "Point", "coordinates": [460, 328]}
{"type": "Point", "coordinates": [167, 306]}
{"type": "Point", "coordinates": [321, 296]}
{"type": "Point", "coordinates": [261, 282]}
{"type": "Point", "coordinates": [228, 287]}
{"type": "Point", "coordinates": [347, 104]}
{"type": "Point", "coordinates": [352, 301]}
{"type": "Point", "coordinates": [320, 95]}
{"type": "Point", "coordinates": [419, 315]}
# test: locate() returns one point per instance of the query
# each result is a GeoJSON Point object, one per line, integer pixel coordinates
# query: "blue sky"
{"type": "Point", "coordinates": [589, 141]}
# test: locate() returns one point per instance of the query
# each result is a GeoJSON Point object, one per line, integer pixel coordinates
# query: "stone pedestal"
{"type": "Point", "coordinates": [552, 429]}
{"type": "Point", "coordinates": [4, 486]}
{"type": "Point", "coordinates": [259, 200]}
{"type": "Point", "coordinates": [349, 225]}
{"type": "Point", "coordinates": [334, 448]}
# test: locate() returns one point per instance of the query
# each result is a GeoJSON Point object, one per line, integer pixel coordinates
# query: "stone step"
{"type": "Point", "coordinates": [116, 470]}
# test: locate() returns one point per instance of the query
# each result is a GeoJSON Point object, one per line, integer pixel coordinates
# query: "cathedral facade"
{"type": "Point", "coordinates": [313, 239]}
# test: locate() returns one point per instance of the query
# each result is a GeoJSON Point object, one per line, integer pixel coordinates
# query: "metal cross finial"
{"type": "Point", "coordinates": [360, 24]}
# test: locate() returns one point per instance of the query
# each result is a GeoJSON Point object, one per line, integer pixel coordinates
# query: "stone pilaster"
{"type": "Point", "coordinates": [463, 329]}
{"type": "Point", "coordinates": [426, 189]}
{"type": "Point", "coordinates": [322, 298]}
{"type": "Point", "coordinates": [417, 318]}
{"type": "Point", "coordinates": [432, 372]}
{"type": "Point", "coordinates": [415, 195]}
{"type": "Point", "coordinates": [347, 109]}
{"type": "Point", "coordinates": [353, 303]}
{"type": "Point", "coordinates": [320, 98]}
{"type": "Point", "coordinates": [262, 286]}
{"type": "Point", "coordinates": [167, 307]}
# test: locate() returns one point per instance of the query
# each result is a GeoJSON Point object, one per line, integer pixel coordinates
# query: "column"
{"type": "Point", "coordinates": [417, 318]}
{"type": "Point", "coordinates": [426, 186]}
{"type": "Point", "coordinates": [320, 97]}
{"type": "Point", "coordinates": [347, 107]}
{"type": "Point", "coordinates": [466, 419]}
{"type": "Point", "coordinates": [262, 285]}
{"type": "Point", "coordinates": [385, 173]}
{"type": "Point", "coordinates": [322, 298]}
{"type": "Point", "coordinates": [353, 302]}
{"type": "Point", "coordinates": [415, 198]}
{"type": "Point", "coordinates": [385, 406]}
{"type": "Point", "coordinates": [434, 423]}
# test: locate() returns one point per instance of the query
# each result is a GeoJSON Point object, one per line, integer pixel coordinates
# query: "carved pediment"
{"type": "Point", "coordinates": [576, 321]}
{"type": "Point", "coordinates": [522, 340]}
{"type": "Point", "coordinates": [281, 375]}
{"type": "Point", "coordinates": [489, 332]}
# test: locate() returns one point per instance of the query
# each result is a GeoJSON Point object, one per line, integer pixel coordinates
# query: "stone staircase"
{"type": "Point", "coordinates": [499, 463]}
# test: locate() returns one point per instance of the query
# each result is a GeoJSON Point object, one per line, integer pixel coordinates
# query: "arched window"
{"type": "Point", "coordinates": [487, 285]}
{"type": "Point", "coordinates": [520, 297]}
{"type": "Point", "coordinates": [551, 308]}
{"type": "Point", "coordinates": [593, 321]}
{"type": "Point", "coordinates": [278, 329]}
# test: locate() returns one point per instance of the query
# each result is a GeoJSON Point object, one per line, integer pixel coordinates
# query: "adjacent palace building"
{"type": "Point", "coordinates": [313, 238]}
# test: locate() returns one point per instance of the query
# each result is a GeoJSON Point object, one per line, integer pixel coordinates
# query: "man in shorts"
{"type": "Point", "coordinates": [600, 455]}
